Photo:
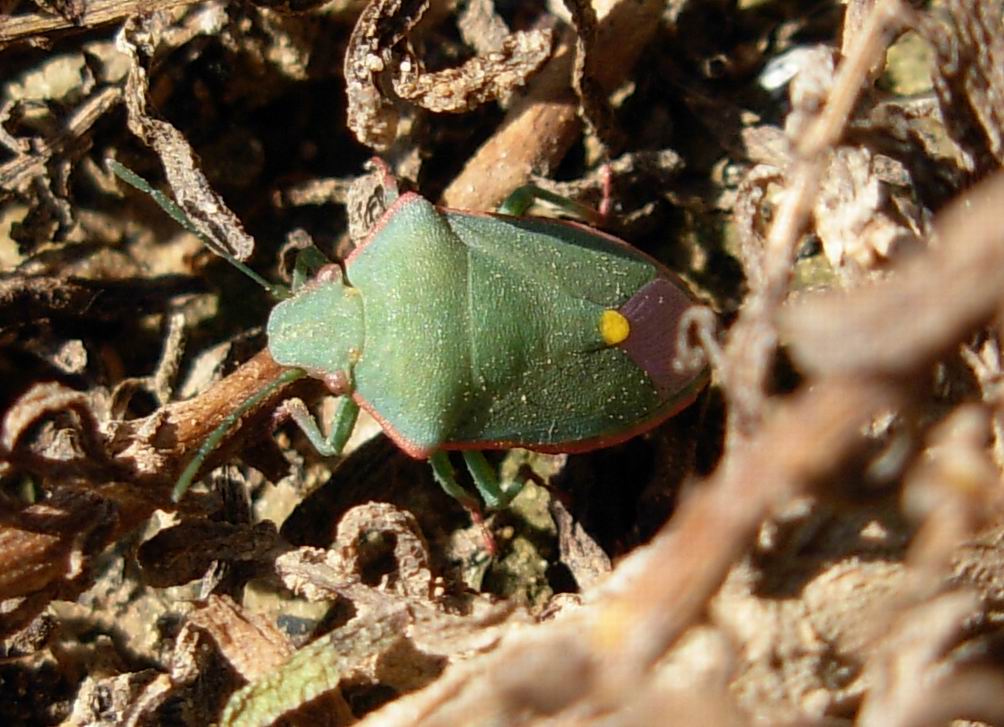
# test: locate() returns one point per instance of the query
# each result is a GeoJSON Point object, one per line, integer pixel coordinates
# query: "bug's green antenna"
{"type": "Point", "coordinates": [178, 215]}
{"type": "Point", "coordinates": [210, 443]}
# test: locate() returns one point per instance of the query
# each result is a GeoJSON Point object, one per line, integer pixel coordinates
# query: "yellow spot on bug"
{"type": "Point", "coordinates": [613, 327]}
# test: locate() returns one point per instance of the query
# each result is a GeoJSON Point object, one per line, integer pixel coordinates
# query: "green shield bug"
{"type": "Point", "coordinates": [461, 330]}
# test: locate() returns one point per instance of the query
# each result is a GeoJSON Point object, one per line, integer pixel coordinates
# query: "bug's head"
{"type": "Point", "coordinates": [320, 329]}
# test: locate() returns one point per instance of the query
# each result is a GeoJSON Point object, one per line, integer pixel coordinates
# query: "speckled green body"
{"type": "Point", "coordinates": [466, 330]}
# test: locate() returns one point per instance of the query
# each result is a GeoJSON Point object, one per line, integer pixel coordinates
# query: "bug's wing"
{"type": "Point", "coordinates": [544, 374]}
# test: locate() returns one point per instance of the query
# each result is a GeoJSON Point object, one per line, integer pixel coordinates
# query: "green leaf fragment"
{"type": "Point", "coordinates": [313, 670]}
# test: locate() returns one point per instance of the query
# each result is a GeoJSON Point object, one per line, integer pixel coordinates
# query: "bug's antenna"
{"type": "Point", "coordinates": [178, 215]}
{"type": "Point", "coordinates": [210, 443]}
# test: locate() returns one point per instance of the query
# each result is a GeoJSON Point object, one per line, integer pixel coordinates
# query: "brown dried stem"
{"type": "Point", "coordinates": [541, 127]}
{"type": "Point", "coordinates": [752, 340]}
{"type": "Point", "coordinates": [33, 26]}
{"type": "Point", "coordinates": [160, 444]}
{"type": "Point", "coordinates": [836, 332]}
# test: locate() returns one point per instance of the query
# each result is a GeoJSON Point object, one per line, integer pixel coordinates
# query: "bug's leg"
{"type": "Point", "coordinates": [496, 496]}
{"type": "Point", "coordinates": [442, 470]}
{"type": "Point", "coordinates": [445, 475]}
{"type": "Point", "coordinates": [216, 436]}
{"type": "Point", "coordinates": [522, 198]}
{"type": "Point", "coordinates": [341, 427]}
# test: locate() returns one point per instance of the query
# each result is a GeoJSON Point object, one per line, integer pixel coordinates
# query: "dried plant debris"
{"type": "Point", "coordinates": [594, 105]}
{"type": "Point", "coordinates": [378, 48]}
{"type": "Point", "coordinates": [192, 191]}
{"type": "Point", "coordinates": [817, 540]}
{"type": "Point", "coordinates": [967, 76]}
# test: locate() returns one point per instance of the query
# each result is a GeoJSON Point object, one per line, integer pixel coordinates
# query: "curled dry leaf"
{"type": "Point", "coordinates": [412, 576]}
{"type": "Point", "coordinates": [479, 80]}
{"type": "Point", "coordinates": [541, 127]}
{"type": "Point", "coordinates": [112, 699]}
{"type": "Point", "coordinates": [374, 53]}
{"type": "Point", "coordinates": [352, 652]}
{"type": "Point", "coordinates": [320, 575]}
{"type": "Point", "coordinates": [407, 597]}
{"type": "Point", "coordinates": [381, 25]}
{"type": "Point", "coordinates": [44, 402]}
{"type": "Point", "coordinates": [192, 191]}
{"type": "Point", "coordinates": [82, 436]}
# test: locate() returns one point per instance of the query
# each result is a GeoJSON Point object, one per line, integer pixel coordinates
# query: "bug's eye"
{"type": "Point", "coordinates": [614, 327]}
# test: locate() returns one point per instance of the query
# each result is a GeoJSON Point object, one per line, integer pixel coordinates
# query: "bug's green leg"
{"type": "Point", "coordinates": [308, 261]}
{"type": "Point", "coordinates": [211, 442]}
{"type": "Point", "coordinates": [341, 427]}
{"type": "Point", "coordinates": [522, 198]}
{"type": "Point", "coordinates": [518, 201]}
{"type": "Point", "coordinates": [443, 471]}
{"type": "Point", "coordinates": [495, 495]}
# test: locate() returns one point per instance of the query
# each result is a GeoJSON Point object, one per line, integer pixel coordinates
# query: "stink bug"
{"type": "Point", "coordinates": [461, 330]}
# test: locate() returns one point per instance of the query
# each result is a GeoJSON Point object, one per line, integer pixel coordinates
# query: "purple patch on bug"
{"type": "Point", "coordinates": [654, 314]}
